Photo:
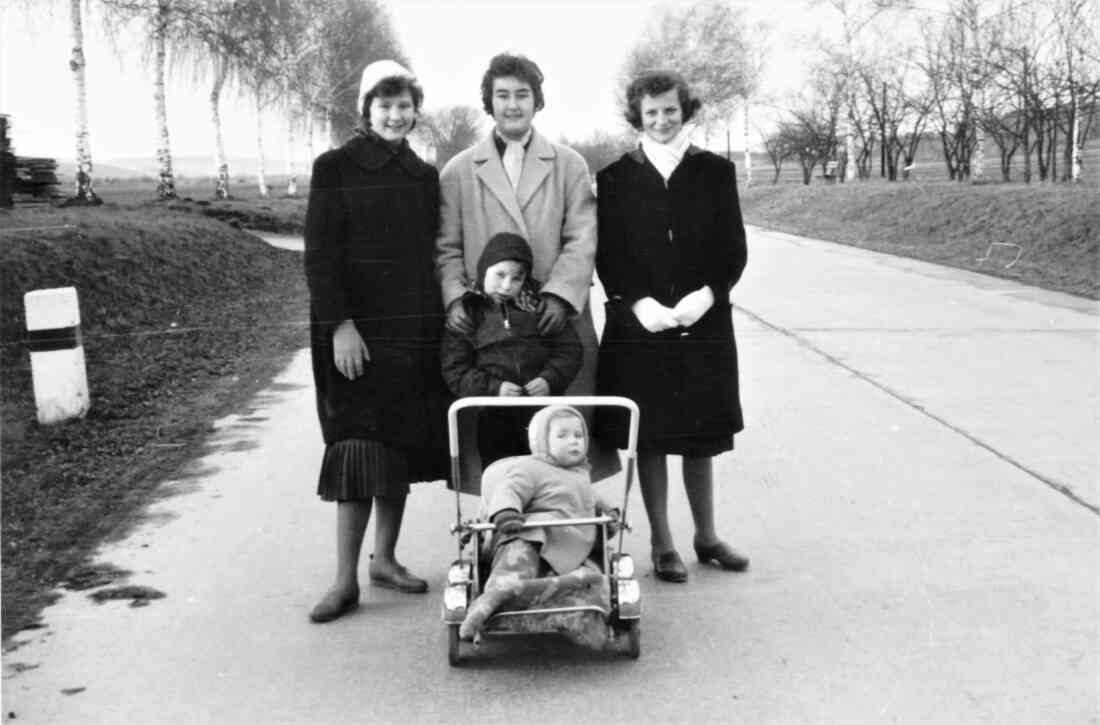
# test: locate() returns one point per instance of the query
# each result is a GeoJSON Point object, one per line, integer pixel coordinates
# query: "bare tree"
{"type": "Point", "coordinates": [812, 135]}
{"type": "Point", "coordinates": [778, 147]}
{"type": "Point", "coordinates": [451, 130]}
{"type": "Point", "coordinates": [708, 44]}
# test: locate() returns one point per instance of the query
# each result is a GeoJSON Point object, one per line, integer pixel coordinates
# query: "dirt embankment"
{"type": "Point", "coordinates": [184, 317]}
{"type": "Point", "coordinates": [1055, 230]}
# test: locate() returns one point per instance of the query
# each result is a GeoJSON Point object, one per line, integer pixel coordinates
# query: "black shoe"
{"type": "Point", "coordinates": [334, 605]}
{"type": "Point", "coordinates": [669, 566]}
{"type": "Point", "coordinates": [399, 579]}
{"type": "Point", "coordinates": [721, 552]}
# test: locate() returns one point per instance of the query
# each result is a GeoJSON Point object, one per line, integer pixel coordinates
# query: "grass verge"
{"type": "Point", "coordinates": [1055, 229]}
{"type": "Point", "coordinates": [184, 318]}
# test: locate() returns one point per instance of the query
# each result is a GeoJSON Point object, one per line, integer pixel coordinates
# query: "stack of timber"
{"type": "Point", "coordinates": [35, 179]}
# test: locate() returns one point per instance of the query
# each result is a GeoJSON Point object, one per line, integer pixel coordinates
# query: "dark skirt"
{"type": "Point", "coordinates": [358, 469]}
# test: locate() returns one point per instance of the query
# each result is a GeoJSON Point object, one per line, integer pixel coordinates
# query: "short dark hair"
{"type": "Point", "coordinates": [393, 86]}
{"type": "Point", "coordinates": [654, 83]}
{"type": "Point", "coordinates": [506, 65]}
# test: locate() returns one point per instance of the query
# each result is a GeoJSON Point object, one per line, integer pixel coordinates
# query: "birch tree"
{"type": "Point", "coordinates": [166, 22]}
{"type": "Point", "coordinates": [83, 193]}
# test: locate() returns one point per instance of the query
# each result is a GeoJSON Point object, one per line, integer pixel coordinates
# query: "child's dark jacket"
{"type": "Point", "coordinates": [506, 346]}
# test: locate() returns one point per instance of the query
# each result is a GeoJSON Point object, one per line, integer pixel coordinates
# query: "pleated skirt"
{"type": "Point", "coordinates": [359, 469]}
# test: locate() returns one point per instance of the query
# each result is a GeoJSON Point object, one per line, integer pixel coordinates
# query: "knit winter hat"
{"type": "Point", "coordinates": [538, 430]}
{"type": "Point", "coordinates": [377, 72]}
{"type": "Point", "coordinates": [501, 247]}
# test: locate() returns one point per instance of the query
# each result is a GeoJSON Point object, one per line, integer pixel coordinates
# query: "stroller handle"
{"type": "Point", "coordinates": [486, 401]}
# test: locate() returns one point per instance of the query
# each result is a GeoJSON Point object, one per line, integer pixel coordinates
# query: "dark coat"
{"type": "Point", "coordinates": [495, 352]}
{"type": "Point", "coordinates": [665, 242]}
{"type": "Point", "coordinates": [370, 244]}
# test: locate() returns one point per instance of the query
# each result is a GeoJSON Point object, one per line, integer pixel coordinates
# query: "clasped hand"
{"type": "Point", "coordinates": [536, 387]}
{"type": "Point", "coordinates": [655, 317]}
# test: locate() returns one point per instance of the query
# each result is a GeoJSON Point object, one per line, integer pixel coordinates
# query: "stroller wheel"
{"type": "Point", "coordinates": [633, 633]}
{"type": "Point", "coordinates": [454, 654]}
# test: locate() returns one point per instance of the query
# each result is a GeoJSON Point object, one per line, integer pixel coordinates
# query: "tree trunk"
{"type": "Point", "coordinates": [166, 184]}
{"type": "Point", "coordinates": [1075, 138]}
{"type": "Point", "coordinates": [748, 154]}
{"type": "Point", "coordinates": [83, 192]}
{"type": "Point", "coordinates": [261, 178]}
{"type": "Point", "coordinates": [291, 182]}
{"type": "Point", "coordinates": [221, 172]}
{"type": "Point", "coordinates": [311, 130]}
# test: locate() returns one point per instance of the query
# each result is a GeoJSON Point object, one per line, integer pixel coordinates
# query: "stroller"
{"type": "Point", "coordinates": [615, 600]}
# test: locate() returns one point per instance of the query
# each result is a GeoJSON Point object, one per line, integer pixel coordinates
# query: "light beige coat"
{"type": "Point", "coordinates": [552, 208]}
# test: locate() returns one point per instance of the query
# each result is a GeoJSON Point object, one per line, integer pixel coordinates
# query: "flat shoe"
{"type": "Point", "coordinates": [722, 553]}
{"type": "Point", "coordinates": [669, 567]}
{"type": "Point", "coordinates": [401, 580]}
{"type": "Point", "coordinates": [333, 607]}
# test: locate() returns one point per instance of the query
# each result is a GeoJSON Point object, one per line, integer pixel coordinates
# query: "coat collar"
{"type": "Point", "coordinates": [537, 164]}
{"type": "Point", "coordinates": [372, 153]}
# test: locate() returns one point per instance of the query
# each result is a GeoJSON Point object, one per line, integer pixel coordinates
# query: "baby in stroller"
{"type": "Point", "coordinates": [552, 483]}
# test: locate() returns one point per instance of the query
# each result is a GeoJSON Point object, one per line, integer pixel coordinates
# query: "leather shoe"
{"type": "Point", "coordinates": [399, 579]}
{"type": "Point", "coordinates": [723, 554]}
{"type": "Point", "coordinates": [334, 606]}
{"type": "Point", "coordinates": [669, 566]}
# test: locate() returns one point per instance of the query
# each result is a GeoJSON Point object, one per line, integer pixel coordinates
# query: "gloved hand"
{"type": "Point", "coordinates": [693, 306]}
{"type": "Point", "coordinates": [508, 521]}
{"type": "Point", "coordinates": [613, 527]}
{"type": "Point", "coordinates": [458, 318]}
{"type": "Point", "coordinates": [654, 316]}
{"type": "Point", "coordinates": [553, 313]}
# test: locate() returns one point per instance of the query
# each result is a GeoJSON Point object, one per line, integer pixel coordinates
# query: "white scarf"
{"type": "Point", "coordinates": [667, 156]}
{"type": "Point", "coordinates": [513, 157]}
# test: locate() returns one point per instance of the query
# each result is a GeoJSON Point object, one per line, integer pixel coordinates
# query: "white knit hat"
{"type": "Point", "coordinates": [538, 430]}
{"type": "Point", "coordinates": [378, 71]}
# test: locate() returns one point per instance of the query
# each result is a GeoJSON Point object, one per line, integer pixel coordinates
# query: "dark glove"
{"type": "Point", "coordinates": [613, 526]}
{"type": "Point", "coordinates": [458, 318]}
{"type": "Point", "coordinates": [553, 313]}
{"type": "Point", "coordinates": [509, 521]}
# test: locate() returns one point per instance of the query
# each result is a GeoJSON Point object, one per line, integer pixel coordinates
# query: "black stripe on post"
{"type": "Point", "coordinates": [56, 338]}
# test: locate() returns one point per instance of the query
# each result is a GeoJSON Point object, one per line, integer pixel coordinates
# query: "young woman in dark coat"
{"type": "Point", "coordinates": [375, 328]}
{"type": "Point", "coordinates": [671, 247]}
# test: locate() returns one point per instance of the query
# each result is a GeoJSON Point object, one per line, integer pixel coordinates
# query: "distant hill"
{"type": "Point", "coordinates": [193, 166]}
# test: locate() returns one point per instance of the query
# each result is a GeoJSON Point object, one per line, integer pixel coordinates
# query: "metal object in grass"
{"type": "Point", "coordinates": [989, 251]}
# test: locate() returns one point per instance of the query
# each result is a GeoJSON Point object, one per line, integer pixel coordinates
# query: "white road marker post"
{"type": "Point", "coordinates": [58, 371]}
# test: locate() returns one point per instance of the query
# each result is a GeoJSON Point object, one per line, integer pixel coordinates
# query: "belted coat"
{"type": "Point", "coordinates": [370, 240]}
{"type": "Point", "coordinates": [665, 241]}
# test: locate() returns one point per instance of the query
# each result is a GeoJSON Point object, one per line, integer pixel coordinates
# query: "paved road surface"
{"type": "Point", "coordinates": [917, 490]}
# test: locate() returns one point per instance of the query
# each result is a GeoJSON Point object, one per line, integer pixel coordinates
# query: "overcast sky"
{"type": "Point", "coordinates": [579, 44]}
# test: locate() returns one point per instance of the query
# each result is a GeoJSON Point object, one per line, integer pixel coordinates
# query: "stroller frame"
{"type": "Point", "coordinates": [466, 577]}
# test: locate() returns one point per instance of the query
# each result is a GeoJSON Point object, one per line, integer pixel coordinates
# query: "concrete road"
{"type": "Point", "coordinates": [916, 486]}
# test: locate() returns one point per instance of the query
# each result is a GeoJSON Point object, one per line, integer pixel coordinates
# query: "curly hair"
{"type": "Point", "coordinates": [393, 86]}
{"type": "Point", "coordinates": [506, 65]}
{"type": "Point", "coordinates": [654, 83]}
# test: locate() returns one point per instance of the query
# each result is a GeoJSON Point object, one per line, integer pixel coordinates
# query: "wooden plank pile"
{"type": "Point", "coordinates": [36, 178]}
